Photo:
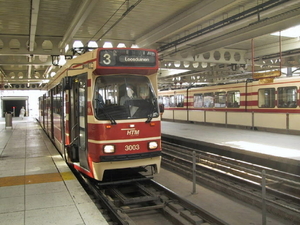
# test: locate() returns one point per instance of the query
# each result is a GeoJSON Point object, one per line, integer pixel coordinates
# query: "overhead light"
{"type": "Point", "coordinates": [62, 61]}
{"type": "Point", "coordinates": [92, 44]}
{"type": "Point", "coordinates": [170, 72]}
{"type": "Point", "coordinates": [107, 45]}
{"type": "Point", "coordinates": [291, 32]}
{"type": "Point", "coordinates": [134, 46]}
{"type": "Point", "coordinates": [68, 57]}
{"type": "Point", "coordinates": [121, 45]}
{"type": "Point", "coordinates": [55, 60]}
{"type": "Point", "coordinates": [20, 75]}
{"type": "Point", "coordinates": [77, 44]}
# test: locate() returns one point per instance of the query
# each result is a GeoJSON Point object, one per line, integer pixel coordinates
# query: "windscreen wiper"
{"type": "Point", "coordinates": [150, 115]}
{"type": "Point", "coordinates": [101, 107]}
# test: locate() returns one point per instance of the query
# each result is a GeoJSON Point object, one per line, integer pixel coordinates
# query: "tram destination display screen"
{"type": "Point", "coordinates": [127, 58]}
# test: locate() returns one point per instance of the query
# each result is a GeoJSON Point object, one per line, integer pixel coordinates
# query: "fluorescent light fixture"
{"type": "Point", "coordinates": [121, 45]}
{"type": "Point", "coordinates": [92, 44]}
{"type": "Point", "coordinates": [134, 46]}
{"type": "Point", "coordinates": [169, 72]}
{"type": "Point", "coordinates": [291, 32]}
{"type": "Point", "coordinates": [77, 44]}
{"type": "Point", "coordinates": [107, 45]}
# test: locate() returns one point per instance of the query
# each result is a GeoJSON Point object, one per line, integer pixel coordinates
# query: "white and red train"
{"type": "Point", "coordinates": [102, 112]}
{"type": "Point", "coordinates": [251, 104]}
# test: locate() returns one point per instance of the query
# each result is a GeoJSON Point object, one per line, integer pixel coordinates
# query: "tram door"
{"type": "Point", "coordinates": [78, 120]}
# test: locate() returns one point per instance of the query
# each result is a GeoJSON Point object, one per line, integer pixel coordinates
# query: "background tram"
{"type": "Point", "coordinates": [250, 104]}
{"type": "Point", "coordinates": [102, 111]}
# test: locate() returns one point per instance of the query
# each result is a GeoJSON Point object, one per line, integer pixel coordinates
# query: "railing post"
{"type": "Point", "coordinates": [287, 122]}
{"type": "Point", "coordinates": [252, 121]}
{"type": "Point", "coordinates": [194, 173]}
{"type": "Point", "coordinates": [173, 115]}
{"type": "Point", "coordinates": [263, 186]}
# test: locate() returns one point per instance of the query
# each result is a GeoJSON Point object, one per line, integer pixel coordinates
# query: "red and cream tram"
{"type": "Point", "coordinates": [273, 106]}
{"type": "Point", "coordinates": [102, 113]}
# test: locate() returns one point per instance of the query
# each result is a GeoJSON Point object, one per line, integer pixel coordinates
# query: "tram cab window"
{"type": "Point", "coordinates": [124, 97]}
{"type": "Point", "coordinates": [220, 99]}
{"type": "Point", "coordinates": [287, 97]}
{"type": "Point", "coordinates": [266, 98]}
{"type": "Point", "coordinates": [233, 99]}
{"type": "Point", "coordinates": [208, 100]}
{"type": "Point", "coordinates": [198, 100]}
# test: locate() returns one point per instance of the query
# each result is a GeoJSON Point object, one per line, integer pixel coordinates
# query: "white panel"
{"type": "Point", "coordinates": [168, 114]}
{"type": "Point", "coordinates": [239, 118]}
{"type": "Point", "coordinates": [294, 121]}
{"type": "Point", "coordinates": [196, 115]}
{"type": "Point", "coordinates": [14, 97]}
{"type": "Point", "coordinates": [215, 117]}
{"type": "Point", "coordinates": [269, 120]}
{"type": "Point", "coordinates": [180, 115]}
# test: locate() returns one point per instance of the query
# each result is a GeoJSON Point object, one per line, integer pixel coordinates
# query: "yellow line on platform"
{"type": "Point", "coordinates": [35, 179]}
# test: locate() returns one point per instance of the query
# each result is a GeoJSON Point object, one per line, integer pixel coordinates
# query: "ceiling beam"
{"type": "Point", "coordinates": [35, 6]}
{"type": "Point", "coordinates": [209, 40]}
{"type": "Point", "coordinates": [184, 21]}
{"type": "Point", "coordinates": [84, 11]}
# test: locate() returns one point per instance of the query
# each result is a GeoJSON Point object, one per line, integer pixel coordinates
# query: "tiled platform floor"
{"type": "Point", "coordinates": [36, 185]}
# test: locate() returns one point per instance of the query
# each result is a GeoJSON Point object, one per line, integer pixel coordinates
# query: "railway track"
{"type": "Point", "coordinates": [144, 201]}
{"type": "Point", "coordinates": [239, 179]}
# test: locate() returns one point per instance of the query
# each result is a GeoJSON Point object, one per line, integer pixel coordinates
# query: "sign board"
{"type": "Point", "coordinates": [264, 75]}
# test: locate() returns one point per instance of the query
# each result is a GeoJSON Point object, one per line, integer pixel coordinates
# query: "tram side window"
{"type": "Point", "coordinates": [172, 102]}
{"type": "Point", "coordinates": [179, 100]}
{"type": "Point", "coordinates": [160, 100]}
{"type": "Point", "coordinates": [198, 100]}
{"type": "Point", "coordinates": [266, 98]}
{"type": "Point", "coordinates": [220, 99]}
{"type": "Point", "coordinates": [287, 97]}
{"type": "Point", "coordinates": [57, 101]}
{"type": "Point", "coordinates": [56, 104]}
{"type": "Point", "coordinates": [233, 99]}
{"type": "Point", "coordinates": [208, 100]}
{"type": "Point", "coordinates": [166, 101]}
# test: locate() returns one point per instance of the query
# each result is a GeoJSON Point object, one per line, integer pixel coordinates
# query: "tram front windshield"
{"type": "Point", "coordinates": [124, 97]}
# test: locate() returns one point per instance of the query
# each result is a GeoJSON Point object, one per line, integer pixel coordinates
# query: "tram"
{"type": "Point", "coordinates": [102, 113]}
{"type": "Point", "coordinates": [272, 106]}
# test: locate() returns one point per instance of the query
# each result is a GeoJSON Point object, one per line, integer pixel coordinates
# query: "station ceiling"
{"type": "Point", "coordinates": [198, 40]}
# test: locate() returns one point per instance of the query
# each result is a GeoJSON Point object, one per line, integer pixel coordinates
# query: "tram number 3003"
{"type": "Point", "coordinates": [132, 147]}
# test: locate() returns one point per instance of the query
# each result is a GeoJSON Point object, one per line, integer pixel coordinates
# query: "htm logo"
{"type": "Point", "coordinates": [133, 132]}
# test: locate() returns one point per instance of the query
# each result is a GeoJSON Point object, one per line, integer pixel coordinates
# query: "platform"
{"type": "Point", "coordinates": [234, 212]}
{"type": "Point", "coordinates": [36, 185]}
{"type": "Point", "coordinates": [282, 148]}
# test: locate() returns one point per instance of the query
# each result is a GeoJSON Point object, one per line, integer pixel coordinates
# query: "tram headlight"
{"type": "Point", "coordinates": [109, 149]}
{"type": "Point", "coordinates": [152, 145]}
